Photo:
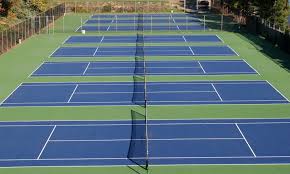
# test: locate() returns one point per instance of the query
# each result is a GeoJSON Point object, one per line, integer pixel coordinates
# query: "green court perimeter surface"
{"type": "Point", "coordinates": [17, 64]}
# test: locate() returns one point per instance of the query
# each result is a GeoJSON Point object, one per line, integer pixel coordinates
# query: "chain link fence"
{"type": "Point", "coordinates": [118, 6]}
{"type": "Point", "coordinates": [25, 29]}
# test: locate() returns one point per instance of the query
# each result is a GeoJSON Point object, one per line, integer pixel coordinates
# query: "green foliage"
{"type": "Point", "coordinates": [280, 14]}
{"type": "Point", "coordinates": [37, 5]}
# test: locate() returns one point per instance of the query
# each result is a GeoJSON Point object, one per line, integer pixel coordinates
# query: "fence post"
{"type": "Point", "coordinates": [7, 38]}
{"type": "Point", "coordinates": [52, 24]}
{"type": "Point", "coordinates": [46, 24]}
{"type": "Point", "coordinates": [39, 23]}
{"type": "Point", "coordinates": [2, 43]}
{"type": "Point", "coordinates": [25, 30]}
{"type": "Point", "coordinates": [222, 22]}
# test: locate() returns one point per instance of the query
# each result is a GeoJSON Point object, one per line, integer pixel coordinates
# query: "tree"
{"type": "Point", "coordinates": [4, 7]}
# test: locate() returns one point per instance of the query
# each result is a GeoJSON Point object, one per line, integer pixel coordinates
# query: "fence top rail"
{"type": "Point", "coordinates": [116, 1]}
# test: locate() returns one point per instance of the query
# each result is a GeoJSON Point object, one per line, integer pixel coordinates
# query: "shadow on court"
{"type": "Point", "coordinates": [213, 21]}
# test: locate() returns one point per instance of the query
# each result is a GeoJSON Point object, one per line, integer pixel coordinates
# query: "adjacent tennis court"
{"type": "Point", "coordinates": [145, 20]}
{"type": "Point", "coordinates": [114, 27]}
{"type": "Point", "coordinates": [158, 93]}
{"type": "Point", "coordinates": [149, 15]}
{"type": "Point", "coordinates": [127, 68]}
{"type": "Point", "coordinates": [171, 142]}
{"type": "Point", "coordinates": [147, 39]}
{"type": "Point", "coordinates": [121, 51]}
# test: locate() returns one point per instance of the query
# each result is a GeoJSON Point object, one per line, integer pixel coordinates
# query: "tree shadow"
{"type": "Point", "coordinates": [213, 22]}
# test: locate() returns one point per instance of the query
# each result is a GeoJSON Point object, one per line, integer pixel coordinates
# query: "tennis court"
{"type": "Point", "coordinates": [114, 27]}
{"type": "Point", "coordinates": [145, 21]}
{"type": "Point", "coordinates": [121, 51]}
{"type": "Point", "coordinates": [127, 68]}
{"type": "Point", "coordinates": [145, 15]}
{"type": "Point", "coordinates": [171, 142]}
{"type": "Point", "coordinates": [167, 92]}
{"type": "Point", "coordinates": [158, 93]}
{"type": "Point", "coordinates": [147, 39]}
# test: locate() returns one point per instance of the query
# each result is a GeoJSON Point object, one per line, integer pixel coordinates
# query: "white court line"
{"type": "Point", "coordinates": [277, 90]}
{"type": "Point", "coordinates": [102, 39]}
{"type": "Point", "coordinates": [173, 157]}
{"type": "Point", "coordinates": [86, 68]}
{"type": "Point", "coordinates": [184, 38]}
{"type": "Point", "coordinates": [150, 83]}
{"type": "Point", "coordinates": [151, 61]}
{"type": "Point", "coordinates": [245, 139]}
{"type": "Point", "coordinates": [201, 67]}
{"type": "Point", "coordinates": [155, 165]}
{"type": "Point", "coordinates": [129, 124]}
{"type": "Point", "coordinates": [251, 67]}
{"type": "Point", "coordinates": [165, 139]}
{"type": "Point", "coordinates": [220, 38]}
{"type": "Point", "coordinates": [66, 40]}
{"type": "Point", "coordinates": [2, 102]}
{"type": "Point", "coordinates": [281, 120]}
{"type": "Point", "coordinates": [46, 142]}
{"type": "Point", "coordinates": [36, 69]}
{"type": "Point", "coordinates": [164, 103]}
{"type": "Point", "coordinates": [191, 50]}
{"type": "Point", "coordinates": [217, 92]}
{"type": "Point", "coordinates": [96, 51]}
{"type": "Point", "coordinates": [54, 51]}
{"type": "Point", "coordinates": [78, 28]}
{"type": "Point", "coordinates": [233, 50]}
{"type": "Point", "coordinates": [108, 28]}
{"type": "Point", "coordinates": [155, 67]}
{"type": "Point", "coordinates": [155, 92]}
{"type": "Point", "coordinates": [72, 93]}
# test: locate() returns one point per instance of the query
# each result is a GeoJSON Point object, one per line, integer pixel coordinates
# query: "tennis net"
{"type": "Point", "coordinates": [139, 91]}
{"type": "Point", "coordinates": [138, 152]}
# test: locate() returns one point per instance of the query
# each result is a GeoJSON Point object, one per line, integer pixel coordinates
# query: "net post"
{"type": "Point", "coordinates": [222, 21]}
{"type": "Point", "coordinates": [147, 137]}
{"type": "Point", "coordinates": [2, 43]}
{"type": "Point", "coordinates": [47, 25]}
{"type": "Point", "coordinates": [39, 23]}
{"type": "Point", "coordinates": [52, 24]}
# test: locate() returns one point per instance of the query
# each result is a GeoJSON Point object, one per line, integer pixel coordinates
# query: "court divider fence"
{"type": "Point", "coordinates": [120, 6]}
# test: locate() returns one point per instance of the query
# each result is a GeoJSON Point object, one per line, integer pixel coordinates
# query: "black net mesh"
{"type": "Point", "coordinates": [138, 149]}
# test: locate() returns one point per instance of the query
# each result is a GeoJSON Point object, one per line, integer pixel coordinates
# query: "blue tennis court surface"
{"type": "Point", "coordinates": [171, 142]}
{"type": "Point", "coordinates": [147, 39]}
{"type": "Point", "coordinates": [127, 68]}
{"type": "Point", "coordinates": [158, 93]}
{"type": "Point", "coordinates": [144, 21]}
{"type": "Point", "coordinates": [172, 27]}
{"type": "Point", "coordinates": [119, 51]}
{"type": "Point", "coordinates": [149, 15]}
